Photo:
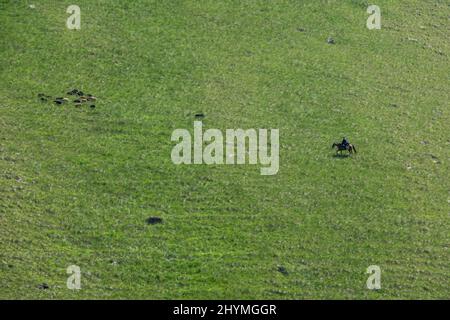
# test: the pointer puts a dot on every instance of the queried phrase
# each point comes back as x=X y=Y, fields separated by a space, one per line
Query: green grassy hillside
x=77 y=184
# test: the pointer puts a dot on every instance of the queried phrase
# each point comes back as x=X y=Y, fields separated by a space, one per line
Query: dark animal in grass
x=154 y=220
x=43 y=97
x=92 y=106
x=73 y=92
x=43 y=286
x=340 y=147
x=283 y=270
x=61 y=100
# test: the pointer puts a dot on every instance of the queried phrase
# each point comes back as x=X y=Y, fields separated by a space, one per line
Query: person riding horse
x=345 y=143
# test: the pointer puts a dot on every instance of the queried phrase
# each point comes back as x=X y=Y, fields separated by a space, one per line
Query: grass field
x=77 y=184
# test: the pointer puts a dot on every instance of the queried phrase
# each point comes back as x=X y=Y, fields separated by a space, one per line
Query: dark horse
x=340 y=147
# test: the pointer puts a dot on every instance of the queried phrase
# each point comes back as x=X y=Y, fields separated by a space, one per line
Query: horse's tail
x=354 y=149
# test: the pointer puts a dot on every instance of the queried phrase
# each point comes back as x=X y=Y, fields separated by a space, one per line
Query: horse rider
x=345 y=143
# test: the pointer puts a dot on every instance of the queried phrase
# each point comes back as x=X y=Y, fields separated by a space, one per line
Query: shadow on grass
x=341 y=156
